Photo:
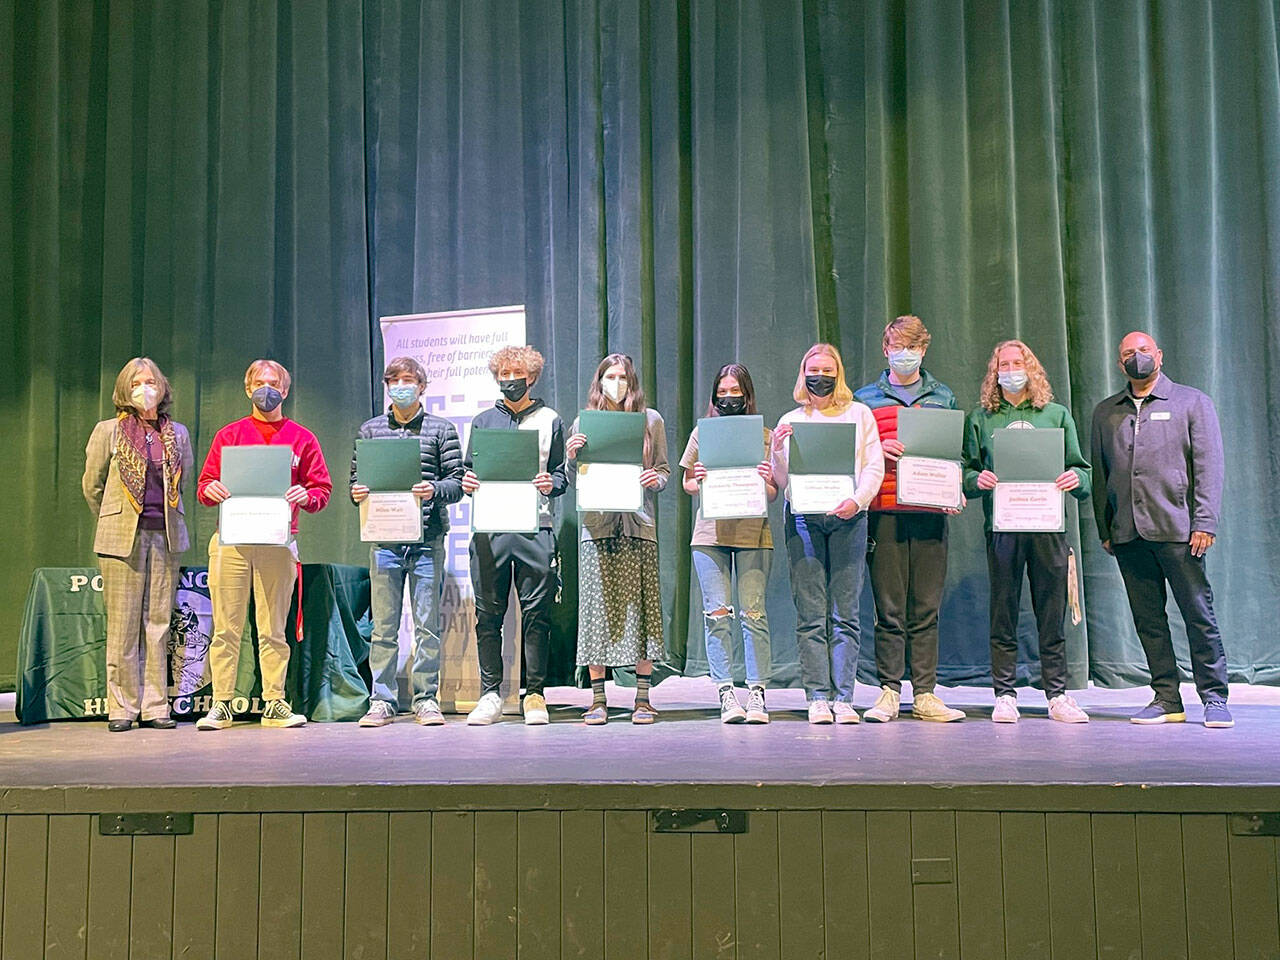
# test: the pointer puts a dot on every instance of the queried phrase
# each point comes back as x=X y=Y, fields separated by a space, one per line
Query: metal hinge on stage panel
x=1255 y=824
x=145 y=824
x=699 y=821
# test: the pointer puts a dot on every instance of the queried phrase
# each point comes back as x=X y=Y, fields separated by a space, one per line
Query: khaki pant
x=138 y=594
x=235 y=572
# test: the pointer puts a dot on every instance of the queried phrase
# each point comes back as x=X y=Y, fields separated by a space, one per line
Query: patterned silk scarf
x=131 y=458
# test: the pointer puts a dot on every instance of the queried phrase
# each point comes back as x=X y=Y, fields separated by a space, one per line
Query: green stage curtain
x=688 y=181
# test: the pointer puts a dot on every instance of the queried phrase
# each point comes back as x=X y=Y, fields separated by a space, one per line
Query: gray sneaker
x=278 y=713
x=756 y=712
x=730 y=709
x=379 y=715
x=219 y=718
x=427 y=713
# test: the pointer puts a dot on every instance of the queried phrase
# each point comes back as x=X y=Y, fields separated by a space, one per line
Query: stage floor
x=686 y=758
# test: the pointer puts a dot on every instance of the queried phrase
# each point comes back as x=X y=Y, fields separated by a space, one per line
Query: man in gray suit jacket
x=1157 y=494
x=136 y=465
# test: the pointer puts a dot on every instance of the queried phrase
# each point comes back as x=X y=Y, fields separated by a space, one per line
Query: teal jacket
x=978 y=430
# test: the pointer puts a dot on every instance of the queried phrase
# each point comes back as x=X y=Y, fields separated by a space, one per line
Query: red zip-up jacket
x=309 y=468
x=885 y=404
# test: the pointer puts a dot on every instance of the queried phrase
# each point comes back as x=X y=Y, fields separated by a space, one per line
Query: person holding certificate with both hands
x=1021 y=453
x=432 y=481
x=827 y=454
x=256 y=464
x=514 y=548
x=908 y=540
x=732 y=536
x=617 y=456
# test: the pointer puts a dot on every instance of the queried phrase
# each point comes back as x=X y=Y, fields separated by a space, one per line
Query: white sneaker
x=1064 y=709
x=535 y=710
x=886 y=707
x=820 y=712
x=486 y=711
x=1006 y=710
x=845 y=713
x=927 y=706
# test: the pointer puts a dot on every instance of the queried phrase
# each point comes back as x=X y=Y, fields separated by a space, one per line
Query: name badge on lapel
x=1162 y=415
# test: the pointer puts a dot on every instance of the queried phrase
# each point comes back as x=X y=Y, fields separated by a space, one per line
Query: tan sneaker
x=1064 y=709
x=927 y=706
x=380 y=713
x=278 y=713
x=885 y=708
x=845 y=713
x=427 y=713
x=1006 y=709
x=535 y=710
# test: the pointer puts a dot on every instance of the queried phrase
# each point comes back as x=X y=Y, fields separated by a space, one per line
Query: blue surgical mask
x=403 y=395
x=1014 y=381
x=905 y=362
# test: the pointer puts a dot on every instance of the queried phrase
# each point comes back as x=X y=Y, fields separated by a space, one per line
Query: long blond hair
x=842 y=397
x=1038 y=389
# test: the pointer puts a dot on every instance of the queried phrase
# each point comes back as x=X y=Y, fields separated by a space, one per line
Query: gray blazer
x=103 y=489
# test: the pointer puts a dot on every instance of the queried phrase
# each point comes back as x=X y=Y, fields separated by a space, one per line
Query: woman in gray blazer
x=136 y=465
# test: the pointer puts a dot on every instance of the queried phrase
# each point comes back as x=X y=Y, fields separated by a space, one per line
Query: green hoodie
x=978 y=429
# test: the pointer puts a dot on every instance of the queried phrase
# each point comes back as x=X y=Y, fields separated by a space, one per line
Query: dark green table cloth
x=62 y=648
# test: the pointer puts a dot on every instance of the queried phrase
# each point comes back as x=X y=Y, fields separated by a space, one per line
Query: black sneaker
x=1216 y=714
x=1157 y=711
x=218 y=718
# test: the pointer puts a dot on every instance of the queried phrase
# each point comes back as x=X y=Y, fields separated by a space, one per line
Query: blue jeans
x=828 y=557
x=715 y=566
x=423 y=565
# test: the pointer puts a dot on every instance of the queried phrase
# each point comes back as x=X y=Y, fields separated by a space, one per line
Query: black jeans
x=529 y=558
x=1146 y=567
x=1044 y=557
x=908 y=568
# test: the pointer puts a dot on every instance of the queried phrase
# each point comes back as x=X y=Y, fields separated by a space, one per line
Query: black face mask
x=731 y=406
x=513 y=390
x=267 y=399
x=1140 y=366
x=819 y=385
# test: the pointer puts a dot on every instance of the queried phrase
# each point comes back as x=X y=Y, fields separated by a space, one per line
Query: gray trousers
x=138 y=593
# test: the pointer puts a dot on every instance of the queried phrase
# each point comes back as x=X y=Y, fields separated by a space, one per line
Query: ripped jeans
x=715 y=567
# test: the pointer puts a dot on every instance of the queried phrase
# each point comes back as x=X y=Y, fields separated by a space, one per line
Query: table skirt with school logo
x=62 y=647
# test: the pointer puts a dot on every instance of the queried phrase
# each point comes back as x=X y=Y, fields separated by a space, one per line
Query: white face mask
x=905 y=362
x=615 y=390
x=1014 y=381
x=144 y=396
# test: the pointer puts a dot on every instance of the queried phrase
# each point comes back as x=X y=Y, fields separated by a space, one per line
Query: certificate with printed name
x=391 y=517
x=505 y=506
x=1027 y=508
x=610 y=487
x=734 y=493
x=929 y=482
x=818 y=492
x=258 y=521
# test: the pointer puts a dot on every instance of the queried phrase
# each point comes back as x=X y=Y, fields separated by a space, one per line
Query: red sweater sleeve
x=212 y=469
x=313 y=473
